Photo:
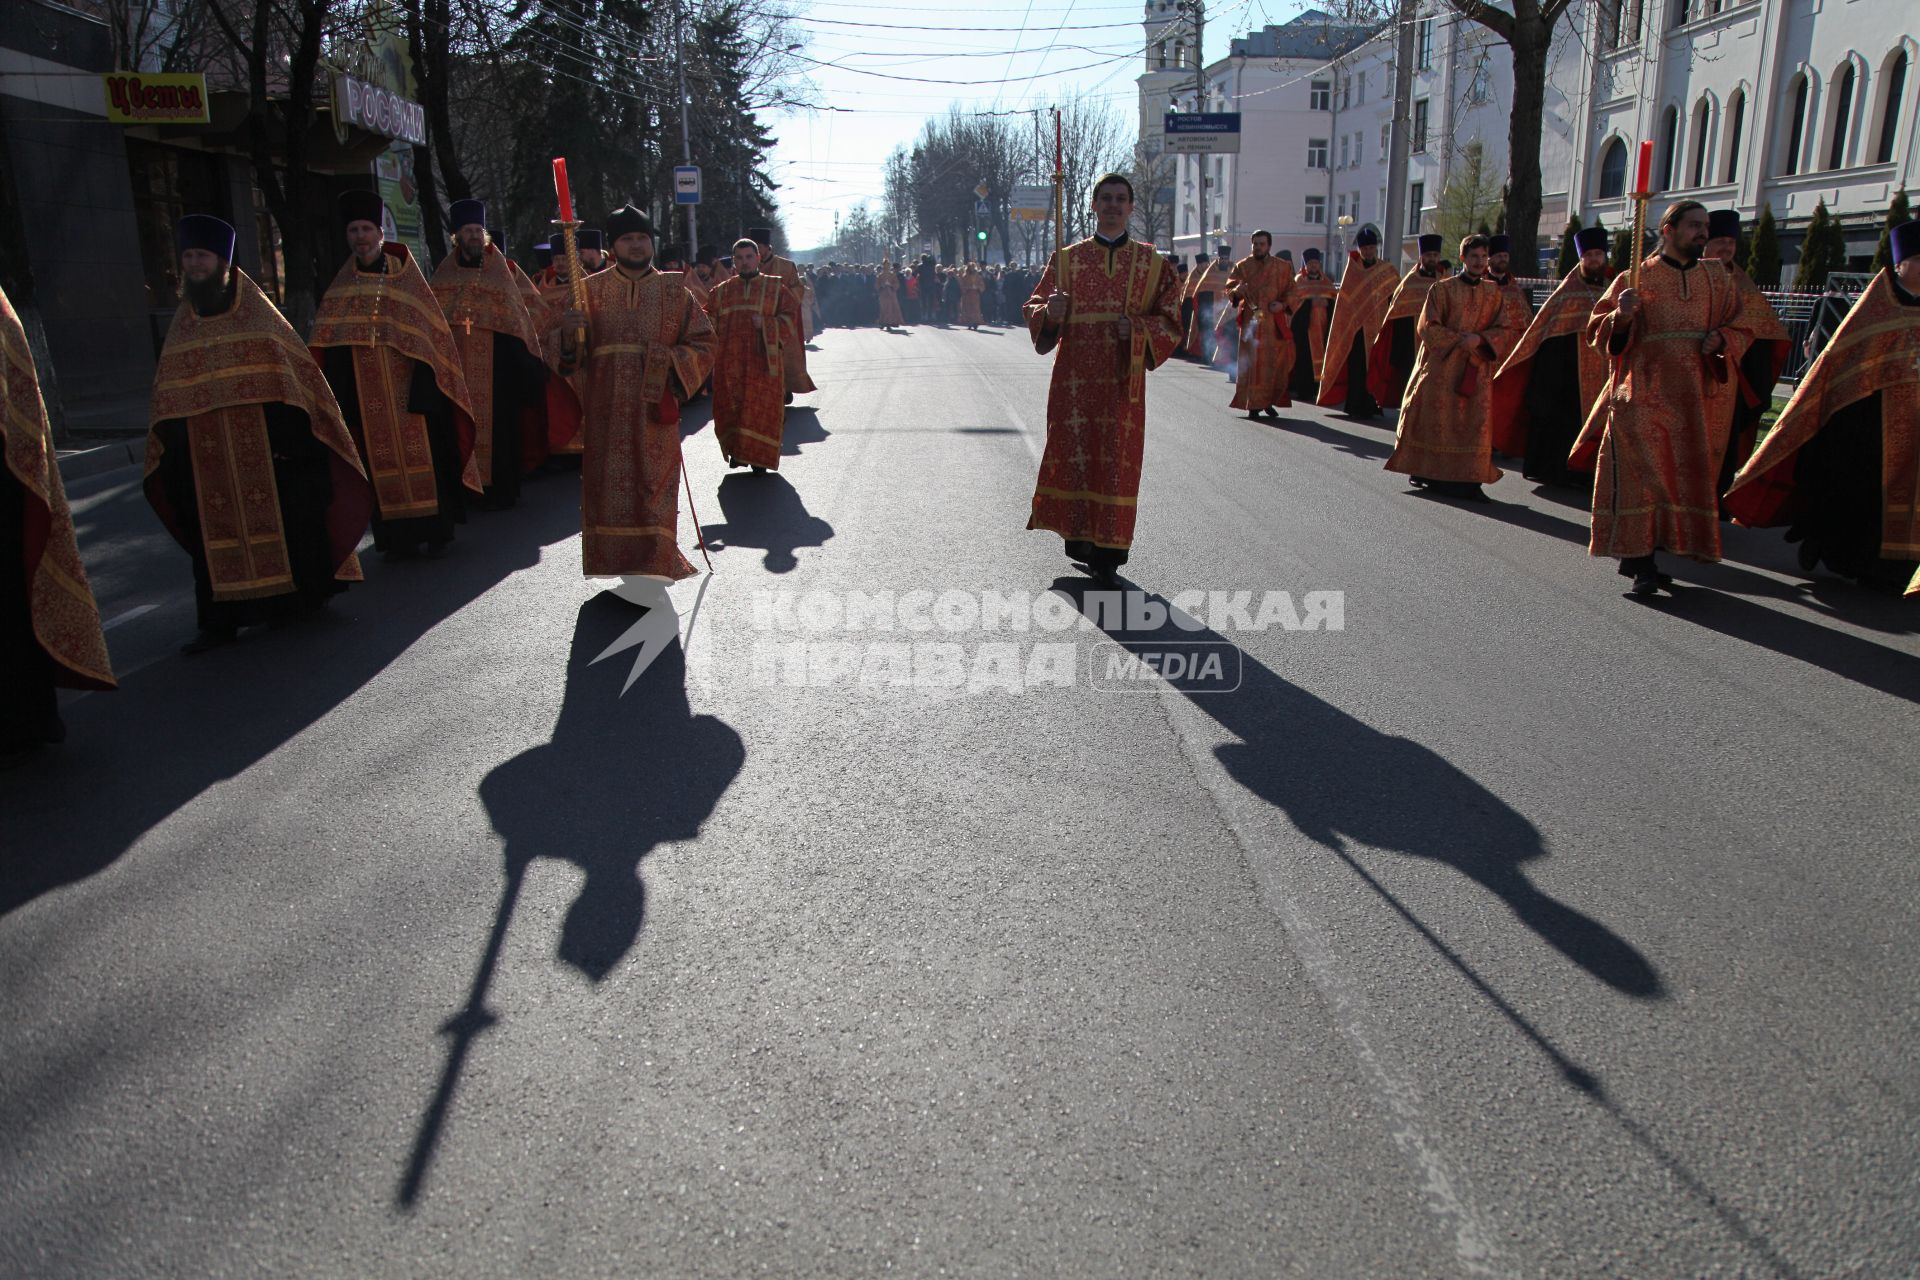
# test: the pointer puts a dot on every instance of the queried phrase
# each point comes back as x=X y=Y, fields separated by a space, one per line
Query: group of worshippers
x=893 y=296
x=413 y=397
x=1648 y=393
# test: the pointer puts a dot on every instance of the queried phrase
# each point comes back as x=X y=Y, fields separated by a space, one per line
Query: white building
x=1749 y=102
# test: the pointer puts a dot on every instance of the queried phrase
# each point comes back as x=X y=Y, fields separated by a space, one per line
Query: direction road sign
x=686 y=184
x=1030 y=203
x=1196 y=132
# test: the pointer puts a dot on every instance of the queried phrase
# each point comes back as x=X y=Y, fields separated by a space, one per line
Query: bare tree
x=279 y=42
x=1151 y=172
x=1528 y=32
x=1470 y=199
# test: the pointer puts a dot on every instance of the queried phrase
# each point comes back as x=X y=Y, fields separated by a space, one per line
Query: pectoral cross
x=468 y=323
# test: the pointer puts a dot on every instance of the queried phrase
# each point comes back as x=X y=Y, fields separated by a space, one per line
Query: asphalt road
x=1514 y=928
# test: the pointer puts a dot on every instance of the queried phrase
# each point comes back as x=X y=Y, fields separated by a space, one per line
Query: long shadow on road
x=138 y=755
x=766 y=511
x=1343 y=783
x=621 y=776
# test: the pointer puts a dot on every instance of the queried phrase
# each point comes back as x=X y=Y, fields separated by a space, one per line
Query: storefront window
x=168 y=183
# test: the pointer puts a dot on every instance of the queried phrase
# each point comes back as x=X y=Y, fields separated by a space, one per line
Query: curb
x=83 y=463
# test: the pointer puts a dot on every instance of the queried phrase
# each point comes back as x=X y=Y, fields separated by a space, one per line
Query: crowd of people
x=1648 y=391
x=889 y=295
x=417 y=397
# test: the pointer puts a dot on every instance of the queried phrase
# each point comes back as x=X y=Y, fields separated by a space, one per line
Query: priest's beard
x=209 y=296
x=1686 y=253
x=639 y=261
x=472 y=259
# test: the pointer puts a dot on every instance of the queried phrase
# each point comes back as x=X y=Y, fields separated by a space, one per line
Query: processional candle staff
x=1640 y=197
x=570 y=242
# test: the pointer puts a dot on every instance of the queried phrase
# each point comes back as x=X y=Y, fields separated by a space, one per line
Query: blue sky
x=827 y=161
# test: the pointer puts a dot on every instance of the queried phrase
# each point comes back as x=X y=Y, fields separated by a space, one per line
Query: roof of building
x=1313 y=35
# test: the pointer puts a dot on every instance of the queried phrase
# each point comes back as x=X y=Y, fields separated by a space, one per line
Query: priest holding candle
x=642 y=346
x=1673 y=330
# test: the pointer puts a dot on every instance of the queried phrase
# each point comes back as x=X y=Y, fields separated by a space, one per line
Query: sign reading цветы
x=162 y=98
x=1203 y=132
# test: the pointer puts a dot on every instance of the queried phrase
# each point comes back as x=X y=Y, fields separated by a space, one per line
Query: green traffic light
x=980 y=235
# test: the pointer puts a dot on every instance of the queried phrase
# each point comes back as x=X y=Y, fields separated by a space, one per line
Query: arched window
x=1702 y=121
x=1179 y=53
x=1842 y=108
x=1163 y=55
x=1669 y=147
x=1893 y=103
x=1796 y=125
x=1613 y=170
x=1736 y=123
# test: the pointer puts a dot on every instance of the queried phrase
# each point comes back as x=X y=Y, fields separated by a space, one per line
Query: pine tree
x=1896 y=214
x=1569 y=252
x=1623 y=255
x=1822 y=251
x=1763 y=251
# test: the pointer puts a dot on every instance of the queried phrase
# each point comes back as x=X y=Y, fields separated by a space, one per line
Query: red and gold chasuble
x=391 y=319
x=886 y=287
x=648 y=347
x=749 y=382
x=66 y=621
x=478 y=303
x=1316 y=293
x=1445 y=432
x=971 y=287
x=793 y=347
x=1089 y=482
x=1266 y=352
x=1209 y=281
x=1358 y=313
x=1387 y=382
x=1564 y=314
x=218 y=373
x=1657 y=435
x=1875 y=349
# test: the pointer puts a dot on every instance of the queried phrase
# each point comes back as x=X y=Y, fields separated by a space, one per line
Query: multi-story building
x=1750 y=103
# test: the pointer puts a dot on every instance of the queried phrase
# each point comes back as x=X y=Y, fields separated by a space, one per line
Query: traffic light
x=980 y=235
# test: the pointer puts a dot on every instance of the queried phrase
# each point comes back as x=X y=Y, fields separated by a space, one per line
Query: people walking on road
x=1662 y=425
x=1205 y=286
x=499 y=344
x=793 y=348
x=1259 y=288
x=648 y=348
x=1312 y=301
x=1358 y=310
x=749 y=385
x=1761 y=367
x=886 y=288
x=1111 y=306
x=390 y=358
x=1468 y=324
x=250 y=465
x=972 y=285
x=1549 y=382
x=1390 y=363
x=50 y=634
x=1841 y=466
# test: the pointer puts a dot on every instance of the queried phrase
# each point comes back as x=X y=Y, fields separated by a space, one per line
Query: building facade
x=1750 y=104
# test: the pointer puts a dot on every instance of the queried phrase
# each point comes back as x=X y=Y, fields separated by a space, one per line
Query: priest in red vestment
x=1111 y=306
